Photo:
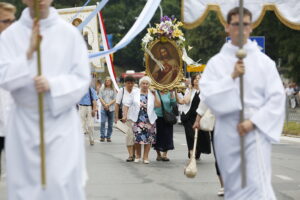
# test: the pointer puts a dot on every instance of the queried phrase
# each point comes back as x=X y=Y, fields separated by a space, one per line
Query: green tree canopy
x=206 y=40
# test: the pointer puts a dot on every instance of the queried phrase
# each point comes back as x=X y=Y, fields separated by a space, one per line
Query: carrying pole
x=40 y=101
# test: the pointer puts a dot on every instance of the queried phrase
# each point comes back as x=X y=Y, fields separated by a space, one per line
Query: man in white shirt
x=289 y=90
x=123 y=94
x=66 y=78
x=264 y=101
x=7 y=17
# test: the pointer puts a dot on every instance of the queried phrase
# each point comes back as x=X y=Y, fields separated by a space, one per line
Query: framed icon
x=169 y=74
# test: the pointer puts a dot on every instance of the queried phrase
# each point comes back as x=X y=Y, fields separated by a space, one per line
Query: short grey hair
x=145 y=78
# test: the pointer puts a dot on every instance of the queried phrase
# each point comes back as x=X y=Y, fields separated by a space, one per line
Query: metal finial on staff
x=40 y=101
x=241 y=54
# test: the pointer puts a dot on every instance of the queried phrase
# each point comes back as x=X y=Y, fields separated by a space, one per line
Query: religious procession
x=155 y=99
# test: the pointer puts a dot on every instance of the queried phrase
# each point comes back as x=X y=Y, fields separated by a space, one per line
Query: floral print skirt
x=144 y=132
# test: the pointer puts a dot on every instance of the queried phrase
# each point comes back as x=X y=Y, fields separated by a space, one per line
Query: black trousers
x=2 y=139
x=216 y=163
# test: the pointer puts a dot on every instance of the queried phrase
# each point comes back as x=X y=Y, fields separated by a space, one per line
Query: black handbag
x=169 y=117
x=120 y=116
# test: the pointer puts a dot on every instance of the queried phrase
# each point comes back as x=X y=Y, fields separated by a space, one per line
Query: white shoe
x=221 y=192
x=146 y=161
x=136 y=160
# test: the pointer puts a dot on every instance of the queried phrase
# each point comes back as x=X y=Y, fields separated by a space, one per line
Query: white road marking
x=285 y=178
x=183 y=144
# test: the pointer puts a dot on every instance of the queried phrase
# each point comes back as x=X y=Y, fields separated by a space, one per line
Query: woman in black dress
x=164 y=131
x=191 y=101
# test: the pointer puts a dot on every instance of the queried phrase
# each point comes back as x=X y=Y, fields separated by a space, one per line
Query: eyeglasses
x=236 y=24
x=7 y=21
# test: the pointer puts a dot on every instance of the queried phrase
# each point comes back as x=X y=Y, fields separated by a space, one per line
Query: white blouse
x=186 y=107
x=133 y=102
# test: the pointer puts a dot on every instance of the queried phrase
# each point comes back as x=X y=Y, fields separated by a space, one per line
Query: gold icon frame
x=172 y=47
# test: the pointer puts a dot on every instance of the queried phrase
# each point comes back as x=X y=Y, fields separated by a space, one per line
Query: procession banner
x=90 y=32
x=139 y=25
x=194 y=12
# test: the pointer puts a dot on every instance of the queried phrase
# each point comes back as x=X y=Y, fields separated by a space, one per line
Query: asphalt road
x=111 y=178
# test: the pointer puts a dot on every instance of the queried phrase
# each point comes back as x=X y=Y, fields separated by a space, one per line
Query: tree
x=119 y=18
x=206 y=40
x=281 y=43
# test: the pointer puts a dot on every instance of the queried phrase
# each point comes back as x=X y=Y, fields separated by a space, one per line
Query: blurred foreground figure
x=65 y=80
x=264 y=112
x=7 y=17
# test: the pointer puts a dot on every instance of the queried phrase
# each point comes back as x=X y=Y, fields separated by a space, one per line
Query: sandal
x=165 y=159
x=221 y=192
x=92 y=142
x=130 y=159
x=159 y=158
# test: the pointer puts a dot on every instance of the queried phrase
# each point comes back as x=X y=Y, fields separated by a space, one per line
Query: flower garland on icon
x=168 y=28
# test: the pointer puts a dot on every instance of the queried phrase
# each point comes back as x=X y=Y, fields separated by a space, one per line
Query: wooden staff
x=191 y=169
x=40 y=100
x=241 y=54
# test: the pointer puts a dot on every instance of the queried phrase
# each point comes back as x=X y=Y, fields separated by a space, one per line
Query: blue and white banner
x=139 y=25
x=80 y=10
x=106 y=47
x=92 y=15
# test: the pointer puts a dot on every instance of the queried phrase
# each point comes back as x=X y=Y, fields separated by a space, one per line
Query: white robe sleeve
x=11 y=77
x=67 y=89
x=270 y=117
x=219 y=92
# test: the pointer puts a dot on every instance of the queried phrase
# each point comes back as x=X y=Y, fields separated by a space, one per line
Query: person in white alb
x=65 y=79
x=7 y=17
x=264 y=101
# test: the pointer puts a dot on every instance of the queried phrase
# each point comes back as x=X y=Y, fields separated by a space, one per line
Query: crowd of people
x=65 y=83
x=144 y=117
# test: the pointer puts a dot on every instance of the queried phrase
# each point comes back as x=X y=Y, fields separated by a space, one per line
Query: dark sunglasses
x=237 y=24
x=7 y=21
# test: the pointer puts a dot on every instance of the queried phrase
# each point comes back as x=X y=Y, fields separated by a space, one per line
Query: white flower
x=147 y=38
x=168 y=23
x=181 y=38
x=165 y=29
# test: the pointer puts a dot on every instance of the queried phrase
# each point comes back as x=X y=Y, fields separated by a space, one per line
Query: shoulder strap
x=91 y=99
x=162 y=103
x=122 y=96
